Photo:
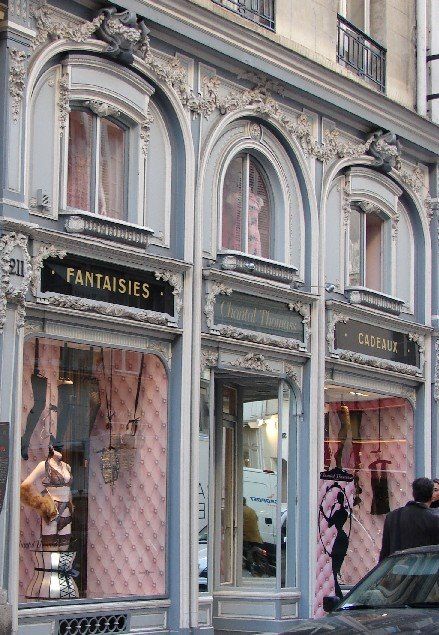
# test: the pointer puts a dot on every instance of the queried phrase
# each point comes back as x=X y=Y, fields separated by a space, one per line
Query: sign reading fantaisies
x=107 y=283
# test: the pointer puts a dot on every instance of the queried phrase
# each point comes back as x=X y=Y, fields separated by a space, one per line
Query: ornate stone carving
x=395 y=222
x=14 y=293
x=17 y=77
x=413 y=179
x=50 y=27
x=209 y=308
x=346 y=202
x=124 y=33
x=145 y=127
x=304 y=311
x=108 y=229
x=101 y=109
x=45 y=251
x=374 y=299
x=245 y=263
x=385 y=148
x=259 y=338
x=110 y=310
x=255 y=131
x=420 y=341
x=176 y=281
x=376 y=362
x=431 y=206
x=209 y=358
x=330 y=328
x=63 y=101
x=292 y=373
x=252 y=361
x=368 y=207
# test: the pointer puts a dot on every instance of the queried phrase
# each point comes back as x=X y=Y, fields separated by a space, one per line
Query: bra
x=53 y=478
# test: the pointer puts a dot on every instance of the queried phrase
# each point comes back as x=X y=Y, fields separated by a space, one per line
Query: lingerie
x=54 y=478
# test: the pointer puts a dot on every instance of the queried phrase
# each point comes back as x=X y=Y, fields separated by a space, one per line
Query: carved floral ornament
x=252 y=361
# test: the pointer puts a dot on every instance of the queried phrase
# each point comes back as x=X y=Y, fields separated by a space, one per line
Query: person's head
x=435 y=490
x=422 y=490
x=340 y=498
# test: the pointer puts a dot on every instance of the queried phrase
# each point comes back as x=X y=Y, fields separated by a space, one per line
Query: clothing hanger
x=378 y=460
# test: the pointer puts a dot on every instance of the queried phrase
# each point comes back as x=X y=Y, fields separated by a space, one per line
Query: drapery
x=111 y=170
x=79 y=160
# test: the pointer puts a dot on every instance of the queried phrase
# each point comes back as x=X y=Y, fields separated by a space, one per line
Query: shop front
x=373 y=405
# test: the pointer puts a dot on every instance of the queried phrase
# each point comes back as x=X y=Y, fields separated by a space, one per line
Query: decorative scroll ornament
x=124 y=33
x=304 y=311
x=252 y=361
x=395 y=224
x=419 y=339
x=346 y=202
x=368 y=207
x=209 y=307
x=414 y=179
x=330 y=332
x=145 y=128
x=386 y=149
x=209 y=358
x=11 y=290
x=45 y=251
x=17 y=77
x=376 y=362
x=101 y=109
x=259 y=338
x=63 y=101
x=176 y=281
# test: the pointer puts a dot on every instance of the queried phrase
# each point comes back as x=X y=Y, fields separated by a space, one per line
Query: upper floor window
x=356 y=49
x=259 y=11
x=367 y=262
x=246 y=218
x=96 y=165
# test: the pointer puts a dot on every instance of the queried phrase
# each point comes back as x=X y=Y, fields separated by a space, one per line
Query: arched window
x=96 y=165
x=246 y=209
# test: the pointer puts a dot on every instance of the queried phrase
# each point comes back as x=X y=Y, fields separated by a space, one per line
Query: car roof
x=425 y=549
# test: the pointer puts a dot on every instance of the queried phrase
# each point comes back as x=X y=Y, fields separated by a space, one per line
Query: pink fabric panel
x=111 y=171
x=127 y=530
x=366 y=535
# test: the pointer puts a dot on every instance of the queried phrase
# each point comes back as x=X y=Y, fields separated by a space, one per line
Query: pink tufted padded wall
x=127 y=521
x=366 y=535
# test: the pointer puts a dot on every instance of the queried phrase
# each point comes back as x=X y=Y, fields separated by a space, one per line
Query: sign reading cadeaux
x=95 y=280
x=257 y=314
x=376 y=341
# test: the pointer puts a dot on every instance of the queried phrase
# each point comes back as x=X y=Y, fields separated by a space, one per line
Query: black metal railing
x=259 y=11
x=360 y=52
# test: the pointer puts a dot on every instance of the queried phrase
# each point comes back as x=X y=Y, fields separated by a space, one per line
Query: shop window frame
x=125 y=343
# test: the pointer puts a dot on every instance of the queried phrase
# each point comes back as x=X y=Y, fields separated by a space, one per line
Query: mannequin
x=52 y=478
x=52 y=578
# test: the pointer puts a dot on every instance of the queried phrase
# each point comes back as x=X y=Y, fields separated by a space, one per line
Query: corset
x=53 y=576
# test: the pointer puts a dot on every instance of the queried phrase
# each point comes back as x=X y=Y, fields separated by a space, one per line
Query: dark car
x=401 y=595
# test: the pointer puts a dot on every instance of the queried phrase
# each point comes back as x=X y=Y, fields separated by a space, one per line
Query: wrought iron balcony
x=259 y=11
x=361 y=53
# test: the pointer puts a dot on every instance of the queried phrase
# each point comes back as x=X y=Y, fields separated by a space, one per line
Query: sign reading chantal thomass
x=376 y=341
x=107 y=283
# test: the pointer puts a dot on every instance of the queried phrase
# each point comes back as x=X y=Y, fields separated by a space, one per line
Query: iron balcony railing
x=361 y=53
x=259 y=11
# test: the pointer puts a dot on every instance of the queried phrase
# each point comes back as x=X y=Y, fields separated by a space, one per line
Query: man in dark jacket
x=414 y=525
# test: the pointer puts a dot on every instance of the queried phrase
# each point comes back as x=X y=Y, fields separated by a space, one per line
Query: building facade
x=219 y=305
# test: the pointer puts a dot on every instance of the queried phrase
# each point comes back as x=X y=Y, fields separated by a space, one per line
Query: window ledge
x=120 y=231
x=259 y=267
x=374 y=299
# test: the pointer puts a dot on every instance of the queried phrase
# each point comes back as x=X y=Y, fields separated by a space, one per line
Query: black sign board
x=105 y=282
x=376 y=341
x=4 y=459
x=257 y=314
x=337 y=474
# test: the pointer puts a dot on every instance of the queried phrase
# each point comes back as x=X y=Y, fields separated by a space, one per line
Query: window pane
x=107 y=483
x=374 y=226
x=79 y=159
x=355 y=277
x=232 y=206
x=111 y=171
x=258 y=213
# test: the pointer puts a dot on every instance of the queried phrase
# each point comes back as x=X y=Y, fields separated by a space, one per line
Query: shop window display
x=370 y=438
x=93 y=477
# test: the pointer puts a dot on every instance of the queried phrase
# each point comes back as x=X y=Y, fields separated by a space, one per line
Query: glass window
x=253 y=451
x=96 y=165
x=366 y=250
x=246 y=222
x=371 y=438
x=94 y=469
